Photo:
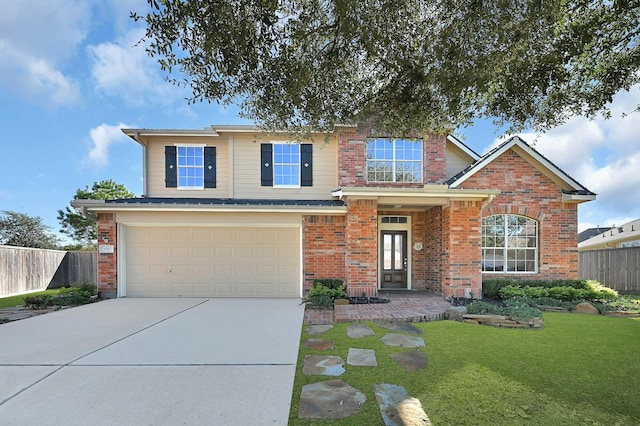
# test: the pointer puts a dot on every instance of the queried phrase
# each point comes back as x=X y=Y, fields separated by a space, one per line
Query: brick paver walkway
x=410 y=306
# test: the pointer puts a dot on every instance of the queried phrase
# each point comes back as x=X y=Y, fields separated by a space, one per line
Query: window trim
x=394 y=161
x=506 y=248
x=178 y=167
x=273 y=164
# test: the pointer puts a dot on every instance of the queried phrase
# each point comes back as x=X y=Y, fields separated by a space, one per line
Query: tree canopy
x=22 y=230
x=80 y=228
x=402 y=65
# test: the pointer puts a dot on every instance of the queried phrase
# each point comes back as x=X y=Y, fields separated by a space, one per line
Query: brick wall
x=528 y=192
x=352 y=161
x=361 y=250
x=461 y=242
x=433 y=250
x=324 y=248
x=107 y=262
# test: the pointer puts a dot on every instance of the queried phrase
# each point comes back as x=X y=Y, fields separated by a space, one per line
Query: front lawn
x=578 y=369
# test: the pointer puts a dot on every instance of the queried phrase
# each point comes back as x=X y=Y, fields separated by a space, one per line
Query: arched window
x=509 y=244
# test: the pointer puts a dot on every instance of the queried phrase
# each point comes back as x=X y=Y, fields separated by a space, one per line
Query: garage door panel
x=213 y=262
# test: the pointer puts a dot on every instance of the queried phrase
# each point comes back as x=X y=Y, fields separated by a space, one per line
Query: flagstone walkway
x=336 y=399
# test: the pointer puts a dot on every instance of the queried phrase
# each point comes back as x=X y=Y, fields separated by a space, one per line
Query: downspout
x=486 y=202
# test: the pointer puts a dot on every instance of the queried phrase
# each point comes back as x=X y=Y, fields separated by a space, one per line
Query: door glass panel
x=397 y=252
x=387 y=252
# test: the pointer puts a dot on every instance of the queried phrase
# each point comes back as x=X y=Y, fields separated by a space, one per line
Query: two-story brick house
x=229 y=211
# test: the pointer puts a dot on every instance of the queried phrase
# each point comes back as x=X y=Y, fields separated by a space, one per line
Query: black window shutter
x=209 y=166
x=170 y=169
x=266 y=168
x=306 y=151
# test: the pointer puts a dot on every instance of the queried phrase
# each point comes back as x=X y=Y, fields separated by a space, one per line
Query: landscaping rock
x=315 y=330
x=393 y=339
x=405 y=327
x=356 y=331
x=455 y=313
x=410 y=361
x=323 y=365
x=362 y=357
x=587 y=308
x=398 y=408
x=333 y=399
x=319 y=344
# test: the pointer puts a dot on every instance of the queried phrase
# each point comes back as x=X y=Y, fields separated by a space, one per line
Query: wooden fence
x=618 y=269
x=24 y=270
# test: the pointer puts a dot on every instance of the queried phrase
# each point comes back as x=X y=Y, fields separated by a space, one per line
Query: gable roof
x=613 y=236
x=463 y=147
x=575 y=192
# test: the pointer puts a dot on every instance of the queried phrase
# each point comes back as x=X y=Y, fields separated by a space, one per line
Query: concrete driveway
x=182 y=361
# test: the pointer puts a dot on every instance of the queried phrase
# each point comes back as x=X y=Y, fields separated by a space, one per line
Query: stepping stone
x=319 y=344
x=362 y=357
x=356 y=331
x=410 y=361
x=333 y=399
x=405 y=327
x=314 y=330
x=398 y=408
x=393 y=339
x=323 y=365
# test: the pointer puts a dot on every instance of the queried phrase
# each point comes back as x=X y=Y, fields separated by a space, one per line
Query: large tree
x=22 y=230
x=402 y=65
x=80 y=228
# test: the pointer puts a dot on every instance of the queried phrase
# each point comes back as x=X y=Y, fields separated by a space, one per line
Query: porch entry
x=393 y=260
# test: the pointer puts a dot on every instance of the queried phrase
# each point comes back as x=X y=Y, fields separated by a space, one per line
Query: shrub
x=509 y=291
x=332 y=283
x=69 y=296
x=491 y=287
x=87 y=286
x=322 y=295
x=519 y=309
x=479 y=307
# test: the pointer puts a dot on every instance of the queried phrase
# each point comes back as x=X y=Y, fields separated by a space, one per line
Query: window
x=286 y=165
x=394 y=160
x=190 y=167
x=509 y=244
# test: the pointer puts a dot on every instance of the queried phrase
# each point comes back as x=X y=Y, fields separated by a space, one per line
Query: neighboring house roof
x=573 y=192
x=588 y=233
x=613 y=237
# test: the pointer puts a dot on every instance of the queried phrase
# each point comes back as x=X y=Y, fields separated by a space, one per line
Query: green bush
x=509 y=291
x=322 y=295
x=87 y=286
x=70 y=296
x=479 y=307
x=566 y=290
x=520 y=309
x=491 y=287
x=332 y=283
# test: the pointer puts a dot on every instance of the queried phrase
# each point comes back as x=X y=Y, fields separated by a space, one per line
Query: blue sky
x=71 y=75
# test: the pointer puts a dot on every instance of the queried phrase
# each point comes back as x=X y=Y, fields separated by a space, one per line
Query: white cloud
x=102 y=138
x=125 y=70
x=36 y=38
x=603 y=155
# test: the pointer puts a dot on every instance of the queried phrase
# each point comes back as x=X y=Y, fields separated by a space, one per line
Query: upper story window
x=509 y=244
x=394 y=160
x=286 y=165
x=190 y=167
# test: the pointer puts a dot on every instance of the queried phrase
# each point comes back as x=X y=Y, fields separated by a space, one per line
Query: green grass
x=578 y=369
x=7 y=302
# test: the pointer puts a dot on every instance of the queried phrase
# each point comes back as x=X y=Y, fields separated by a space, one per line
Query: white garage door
x=212 y=262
